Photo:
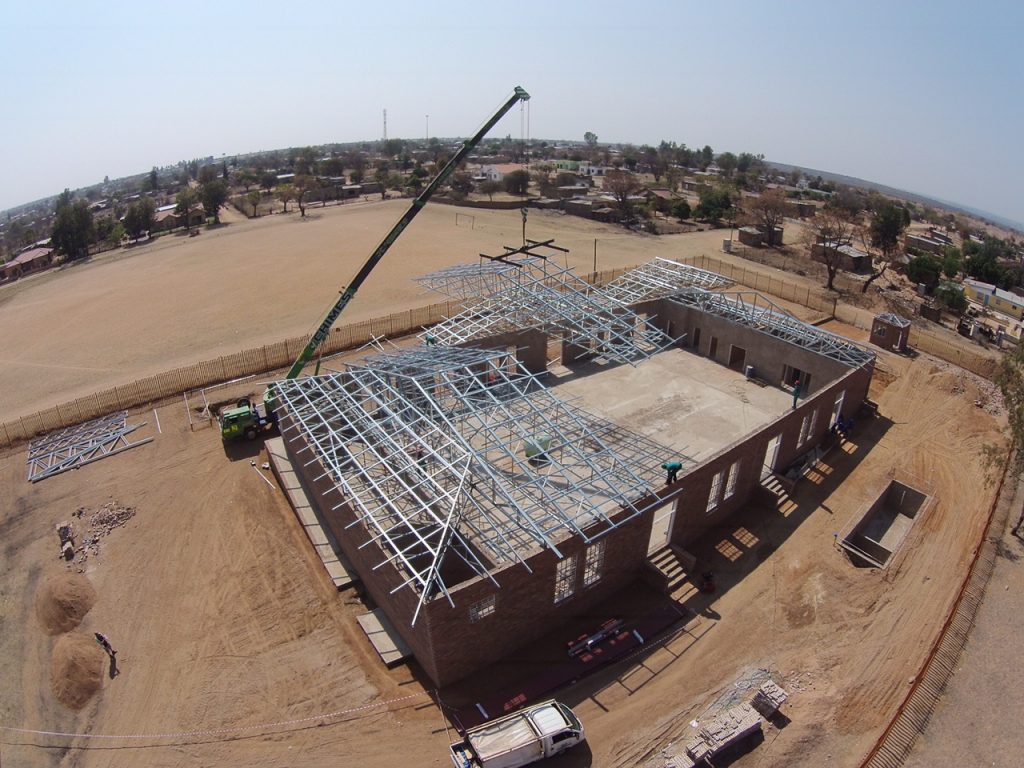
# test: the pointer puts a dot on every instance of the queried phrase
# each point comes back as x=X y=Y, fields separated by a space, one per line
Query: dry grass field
x=178 y=300
x=234 y=648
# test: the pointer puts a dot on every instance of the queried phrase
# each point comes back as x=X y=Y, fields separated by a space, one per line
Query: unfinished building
x=483 y=499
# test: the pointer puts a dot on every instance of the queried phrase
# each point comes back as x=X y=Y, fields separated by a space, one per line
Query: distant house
x=890 y=331
x=751 y=236
x=165 y=218
x=994 y=298
x=754 y=237
x=850 y=259
x=25 y=263
x=497 y=172
x=924 y=243
x=589 y=170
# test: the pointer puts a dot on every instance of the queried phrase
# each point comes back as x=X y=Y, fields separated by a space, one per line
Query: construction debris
x=729 y=726
x=98 y=524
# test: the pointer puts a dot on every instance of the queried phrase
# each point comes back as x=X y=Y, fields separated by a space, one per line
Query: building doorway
x=661 y=529
x=771 y=455
x=737 y=357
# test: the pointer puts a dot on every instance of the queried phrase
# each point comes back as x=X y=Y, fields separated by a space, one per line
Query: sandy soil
x=223 y=618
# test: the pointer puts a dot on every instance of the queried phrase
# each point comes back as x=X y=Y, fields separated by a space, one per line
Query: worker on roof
x=672 y=468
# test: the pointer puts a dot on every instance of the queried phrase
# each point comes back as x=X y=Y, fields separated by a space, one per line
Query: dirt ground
x=234 y=648
x=223 y=619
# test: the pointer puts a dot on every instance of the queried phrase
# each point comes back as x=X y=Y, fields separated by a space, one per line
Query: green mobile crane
x=248 y=419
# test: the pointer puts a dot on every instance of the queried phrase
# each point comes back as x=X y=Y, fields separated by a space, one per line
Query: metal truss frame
x=893 y=319
x=83 y=444
x=660 y=278
x=535 y=292
x=755 y=311
x=459 y=456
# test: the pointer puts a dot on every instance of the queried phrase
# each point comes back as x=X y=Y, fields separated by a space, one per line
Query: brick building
x=481 y=509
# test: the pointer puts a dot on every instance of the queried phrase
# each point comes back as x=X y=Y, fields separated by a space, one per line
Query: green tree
x=303 y=186
x=392 y=147
x=187 y=201
x=253 y=199
x=116 y=235
x=73 y=227
x=623 y=185
x=267 y=181
x=926 y=268
x=707 y=156
x=139 y=217
x=952 y=261
x=715 y=204
x=727 y=161
x=207 y=174
x=246 y=177
x=591 y=139
x=461 y=183
x=154 y=180
x=887 y=226
x=681 y=209
x=285 y=193
x=951 y=295
x=213 y=194
x=832 y=229
x=767 y=211
x=517 y=182
x=489 y=187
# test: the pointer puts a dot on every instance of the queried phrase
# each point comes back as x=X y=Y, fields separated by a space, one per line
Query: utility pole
x=385 y=125
x=428 y=128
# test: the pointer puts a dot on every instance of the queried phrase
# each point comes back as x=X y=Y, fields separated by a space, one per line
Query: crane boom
x=348 y=293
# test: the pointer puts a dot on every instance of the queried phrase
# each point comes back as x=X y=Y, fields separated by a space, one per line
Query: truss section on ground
x=460 y=463
x=661 y=278
x=757 y=312
x=82 y=444
x=538 y=293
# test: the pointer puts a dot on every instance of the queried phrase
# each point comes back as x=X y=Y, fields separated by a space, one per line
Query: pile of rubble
x=990 y=399
x=94 y=525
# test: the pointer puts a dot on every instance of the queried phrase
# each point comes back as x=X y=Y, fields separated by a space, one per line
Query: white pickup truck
x=518 y=739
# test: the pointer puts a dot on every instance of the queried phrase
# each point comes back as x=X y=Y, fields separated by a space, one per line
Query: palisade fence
x=261 y=360
x=257 y=360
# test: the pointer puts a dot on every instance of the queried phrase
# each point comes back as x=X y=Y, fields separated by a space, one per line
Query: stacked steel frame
x=755 y=311
x=526 y=288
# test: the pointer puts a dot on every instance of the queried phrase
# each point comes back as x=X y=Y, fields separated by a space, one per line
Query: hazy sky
x=926 y=96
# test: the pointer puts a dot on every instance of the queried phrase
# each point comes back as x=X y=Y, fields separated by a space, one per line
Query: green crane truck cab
x=245 y=421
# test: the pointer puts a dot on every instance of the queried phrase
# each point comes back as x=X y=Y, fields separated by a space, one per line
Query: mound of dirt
x=62 y=600
x=76 y=669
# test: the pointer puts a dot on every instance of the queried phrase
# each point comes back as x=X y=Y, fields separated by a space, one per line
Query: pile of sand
x=62 y=600
x=76 y=669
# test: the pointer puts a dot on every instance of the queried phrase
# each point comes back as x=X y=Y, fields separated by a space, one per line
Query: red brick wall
x=525 y=602
x=445 y=642
x=691 y=517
